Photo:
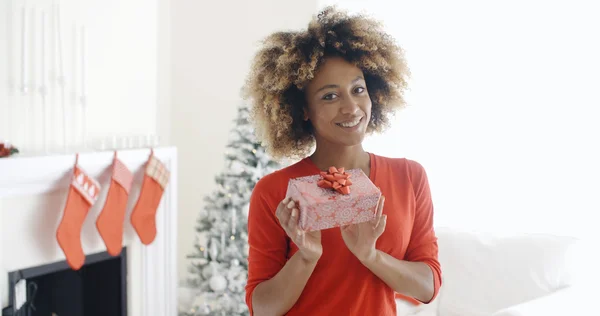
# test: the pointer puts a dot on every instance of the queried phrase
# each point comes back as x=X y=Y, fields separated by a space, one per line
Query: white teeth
x=350 y=124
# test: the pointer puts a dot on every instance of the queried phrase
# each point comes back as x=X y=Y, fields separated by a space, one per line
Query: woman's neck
x=348 y=157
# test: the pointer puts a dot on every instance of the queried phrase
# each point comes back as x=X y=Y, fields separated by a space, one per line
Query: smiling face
x=339 y=106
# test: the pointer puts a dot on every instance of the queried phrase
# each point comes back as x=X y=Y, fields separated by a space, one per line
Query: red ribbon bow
x=335 y=179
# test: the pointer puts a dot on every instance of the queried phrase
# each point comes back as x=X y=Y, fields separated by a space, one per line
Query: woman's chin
x=348 y=141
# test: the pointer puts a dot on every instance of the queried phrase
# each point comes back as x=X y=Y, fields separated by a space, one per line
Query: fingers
x=347 y=228
x=285 y=211
x=302 y=238
x=380 y=209
x=381 y=226
x=377 y=218
x=288 y=215
x=292 y=223
x=281 y=207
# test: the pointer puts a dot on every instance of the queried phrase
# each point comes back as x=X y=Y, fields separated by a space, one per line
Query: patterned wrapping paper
x=322 y=208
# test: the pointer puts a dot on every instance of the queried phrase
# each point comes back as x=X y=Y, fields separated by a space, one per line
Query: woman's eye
x=329 y=96
x=359 y=90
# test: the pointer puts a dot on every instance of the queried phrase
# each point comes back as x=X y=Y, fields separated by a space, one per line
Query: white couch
x=488 y=274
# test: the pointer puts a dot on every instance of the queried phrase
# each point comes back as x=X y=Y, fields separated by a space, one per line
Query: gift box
x=334 y=198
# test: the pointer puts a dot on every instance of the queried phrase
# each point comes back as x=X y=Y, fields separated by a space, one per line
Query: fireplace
x=99 y=288
x=142 y=281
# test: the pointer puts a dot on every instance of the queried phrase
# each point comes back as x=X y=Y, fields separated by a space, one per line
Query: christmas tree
x=219 y=263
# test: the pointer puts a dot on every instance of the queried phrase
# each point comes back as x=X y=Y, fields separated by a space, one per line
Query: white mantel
x=32 y=197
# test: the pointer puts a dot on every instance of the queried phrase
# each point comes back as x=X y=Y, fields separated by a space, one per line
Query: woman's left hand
x=360 y=238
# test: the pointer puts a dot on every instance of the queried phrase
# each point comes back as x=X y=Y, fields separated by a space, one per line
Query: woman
x=324 y=89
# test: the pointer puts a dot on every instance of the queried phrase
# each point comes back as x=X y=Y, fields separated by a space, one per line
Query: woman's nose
x=350 y=106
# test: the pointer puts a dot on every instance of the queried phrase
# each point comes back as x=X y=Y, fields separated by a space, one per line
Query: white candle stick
x=60 y=77
x=83 y=66
x=24 y=50
x=82 y=87
x=43 y=87
x=74 y=58
x=73 y=89
x=32 y=54
x=75 y=121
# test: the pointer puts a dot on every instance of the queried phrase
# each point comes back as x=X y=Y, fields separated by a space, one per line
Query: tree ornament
x=218 y=283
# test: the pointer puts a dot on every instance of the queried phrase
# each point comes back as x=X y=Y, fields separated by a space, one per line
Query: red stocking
x=110 y=221
x=143 y=217
x=83 y=193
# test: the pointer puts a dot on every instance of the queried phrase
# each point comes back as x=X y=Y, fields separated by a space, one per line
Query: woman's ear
x=305 y=114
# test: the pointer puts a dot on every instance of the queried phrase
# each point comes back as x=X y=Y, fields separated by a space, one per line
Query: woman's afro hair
x=287 y=61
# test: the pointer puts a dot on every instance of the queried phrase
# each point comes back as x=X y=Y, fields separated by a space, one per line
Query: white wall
x=504 y=110
x=211 y=46
x=163 y=80
x=123 y=71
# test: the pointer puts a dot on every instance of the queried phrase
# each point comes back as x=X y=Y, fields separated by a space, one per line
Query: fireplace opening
x=98 y=288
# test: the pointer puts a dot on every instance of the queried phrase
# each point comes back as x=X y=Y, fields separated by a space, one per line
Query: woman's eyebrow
x=332 y=86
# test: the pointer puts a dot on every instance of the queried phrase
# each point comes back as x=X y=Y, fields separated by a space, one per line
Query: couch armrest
x=566 y=301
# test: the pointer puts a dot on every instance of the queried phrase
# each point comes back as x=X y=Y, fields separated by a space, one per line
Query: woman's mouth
x=350 y=124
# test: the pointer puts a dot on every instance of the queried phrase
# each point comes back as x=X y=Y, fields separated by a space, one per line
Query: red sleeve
x=267 y=241
x=423 y=245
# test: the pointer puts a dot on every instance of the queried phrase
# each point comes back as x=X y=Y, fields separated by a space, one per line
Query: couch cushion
x=486 y=272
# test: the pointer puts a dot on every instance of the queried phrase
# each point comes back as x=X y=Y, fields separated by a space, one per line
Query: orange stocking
x=110 y=221
x=83 y=193
x=143 y=217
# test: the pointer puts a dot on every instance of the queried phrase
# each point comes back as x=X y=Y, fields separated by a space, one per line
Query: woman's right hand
x=309 y=243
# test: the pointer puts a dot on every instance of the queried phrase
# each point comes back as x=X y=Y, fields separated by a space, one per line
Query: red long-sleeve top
x=340 y=284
